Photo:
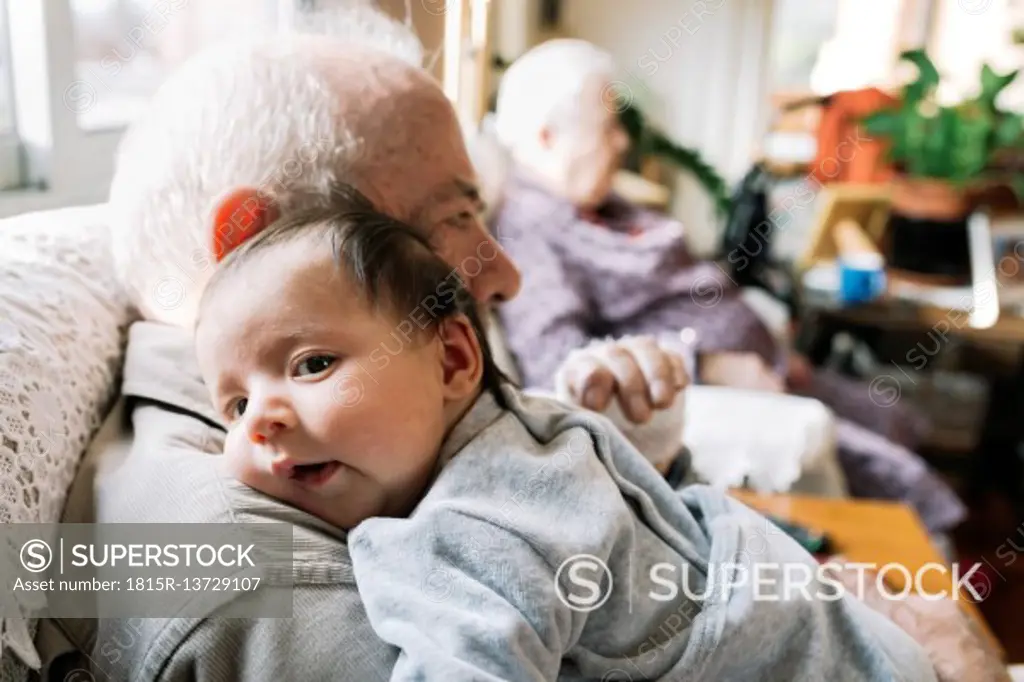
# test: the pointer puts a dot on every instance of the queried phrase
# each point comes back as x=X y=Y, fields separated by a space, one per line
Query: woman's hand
x=643 y=376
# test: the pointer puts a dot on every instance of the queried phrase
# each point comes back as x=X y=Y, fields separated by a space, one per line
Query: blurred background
x=712 y=73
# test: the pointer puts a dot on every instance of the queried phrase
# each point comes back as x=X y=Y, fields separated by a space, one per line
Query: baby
x=493 y=536
x=335 y=406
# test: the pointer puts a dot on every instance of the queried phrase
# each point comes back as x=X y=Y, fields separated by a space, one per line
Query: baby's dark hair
x=393 y=265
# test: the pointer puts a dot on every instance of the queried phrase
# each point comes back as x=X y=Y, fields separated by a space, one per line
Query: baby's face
x=331 y=408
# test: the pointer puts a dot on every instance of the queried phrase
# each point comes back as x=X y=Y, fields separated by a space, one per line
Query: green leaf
x=939 y=144
x=691 y=160
x=912 y=146
x=1009 y=130
x=888 y=125
x=952 y=143
x=884 y=123
x=927 y=76
x=992 y=84
x=969 y=147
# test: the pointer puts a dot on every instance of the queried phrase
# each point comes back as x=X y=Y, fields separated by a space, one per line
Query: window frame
x=467 y=56
x=56 y=161
x=10 y=145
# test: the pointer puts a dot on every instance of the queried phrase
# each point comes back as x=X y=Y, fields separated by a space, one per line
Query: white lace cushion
x=62 y=323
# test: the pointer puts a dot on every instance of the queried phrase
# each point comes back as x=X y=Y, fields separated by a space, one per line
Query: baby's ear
x=237 y=216
x=462 y=358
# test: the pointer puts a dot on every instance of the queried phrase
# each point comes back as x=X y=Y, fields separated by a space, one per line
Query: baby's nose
x=269 y=421
x=264 y=430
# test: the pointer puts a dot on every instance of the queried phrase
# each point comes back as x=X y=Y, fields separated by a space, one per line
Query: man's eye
x=463 y=218
x=314 y=365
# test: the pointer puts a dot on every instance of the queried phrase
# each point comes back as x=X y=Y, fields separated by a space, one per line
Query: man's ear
x=237 y=216
x=461 y=357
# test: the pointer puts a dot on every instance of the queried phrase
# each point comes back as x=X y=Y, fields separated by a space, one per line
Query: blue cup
x=861 y=278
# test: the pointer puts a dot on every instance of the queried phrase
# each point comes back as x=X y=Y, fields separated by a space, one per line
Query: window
x=74 y=73
x=822 y=46
x=467 y=54
x=799 y=30
x=125 y=48
x=10 y=149
x=968 y=34
x=6 y=94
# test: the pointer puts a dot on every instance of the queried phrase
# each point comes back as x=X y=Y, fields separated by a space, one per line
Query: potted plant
x=942 y=154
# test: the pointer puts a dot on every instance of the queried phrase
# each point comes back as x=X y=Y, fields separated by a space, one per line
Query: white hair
x=543 y=87
x=361 y=22
x=255 y=113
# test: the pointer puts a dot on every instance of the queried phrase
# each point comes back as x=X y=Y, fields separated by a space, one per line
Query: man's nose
x=499 y=279
x=268 y=419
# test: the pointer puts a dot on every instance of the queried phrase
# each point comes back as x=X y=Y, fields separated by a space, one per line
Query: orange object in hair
x=239 y=216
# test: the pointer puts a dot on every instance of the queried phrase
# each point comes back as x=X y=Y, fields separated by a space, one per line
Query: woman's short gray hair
x=544 y=87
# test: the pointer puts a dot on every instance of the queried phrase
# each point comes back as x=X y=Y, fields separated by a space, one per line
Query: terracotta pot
x=928 y=199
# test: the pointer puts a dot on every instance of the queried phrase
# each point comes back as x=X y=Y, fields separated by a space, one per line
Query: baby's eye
x=237 y=408
x=314 y=365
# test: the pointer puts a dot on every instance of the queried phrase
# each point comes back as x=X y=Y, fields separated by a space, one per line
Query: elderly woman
x=594 y=265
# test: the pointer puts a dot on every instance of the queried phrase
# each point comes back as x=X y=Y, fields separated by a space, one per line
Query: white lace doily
x=62 y=324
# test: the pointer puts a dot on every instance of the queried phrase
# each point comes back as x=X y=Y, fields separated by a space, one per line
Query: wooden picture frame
x=867 y=205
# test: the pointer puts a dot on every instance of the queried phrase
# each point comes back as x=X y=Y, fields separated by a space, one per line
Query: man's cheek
x=441 y=242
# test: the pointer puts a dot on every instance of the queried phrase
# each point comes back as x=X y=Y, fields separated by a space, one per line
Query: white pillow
x=63 y=320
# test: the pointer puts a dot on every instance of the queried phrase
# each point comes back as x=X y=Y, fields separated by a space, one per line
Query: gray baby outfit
x=548 y=548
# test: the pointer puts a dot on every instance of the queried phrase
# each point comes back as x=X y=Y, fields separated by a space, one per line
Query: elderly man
x=278 y=118
x=593 y=265
x=281 y=118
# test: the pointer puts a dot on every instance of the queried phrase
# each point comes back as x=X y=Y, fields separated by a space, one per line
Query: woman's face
x=590 y=150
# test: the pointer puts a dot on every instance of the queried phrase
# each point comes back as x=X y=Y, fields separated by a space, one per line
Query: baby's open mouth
x=314 y=474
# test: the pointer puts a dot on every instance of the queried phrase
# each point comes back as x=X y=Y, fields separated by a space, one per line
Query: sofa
x=63 y=323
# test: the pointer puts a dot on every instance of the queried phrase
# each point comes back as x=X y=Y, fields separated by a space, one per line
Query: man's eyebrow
x=470 y=191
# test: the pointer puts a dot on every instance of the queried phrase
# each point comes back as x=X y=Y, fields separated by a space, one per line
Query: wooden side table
x=871 y=532
x=996 y=462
